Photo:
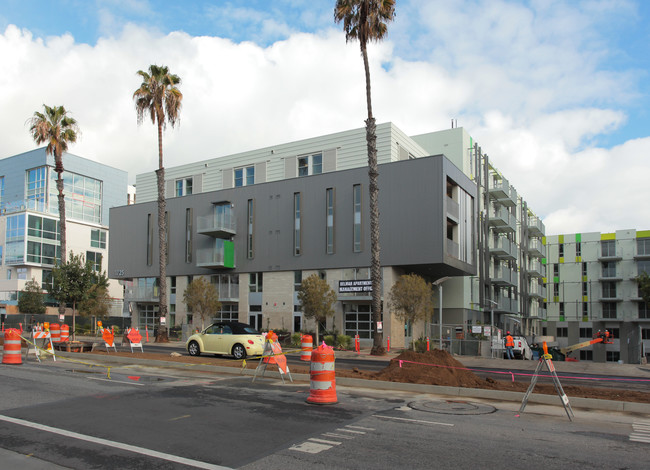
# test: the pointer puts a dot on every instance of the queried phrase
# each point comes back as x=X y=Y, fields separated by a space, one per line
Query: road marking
x=359 y=427
x=323 y=441
x=310 y=447
x=180 y=417
x=116 y=381
x=341 y=436
x=413 y=420
x=351 y=431
x=117 y=445
x=641 y=431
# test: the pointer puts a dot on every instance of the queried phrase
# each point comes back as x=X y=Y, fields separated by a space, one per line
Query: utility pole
x=439 y=284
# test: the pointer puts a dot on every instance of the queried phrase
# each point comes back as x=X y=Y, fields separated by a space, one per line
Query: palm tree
x=367 y=20
x=57 y=129
x=160 y=97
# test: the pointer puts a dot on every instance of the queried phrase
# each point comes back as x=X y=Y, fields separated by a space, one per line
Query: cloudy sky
x=555 y=91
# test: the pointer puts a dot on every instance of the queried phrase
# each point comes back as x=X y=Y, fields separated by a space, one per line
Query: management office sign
x=359 y=285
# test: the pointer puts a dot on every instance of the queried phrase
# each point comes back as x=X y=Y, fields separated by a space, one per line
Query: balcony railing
x=535 y=268
x=504 y=276
x=218 y=227
x=221 y=255
x=537 y=290
x=503 y=248
x=453 y=209
x=536 y=247
x=536 y=227
x=502 y=220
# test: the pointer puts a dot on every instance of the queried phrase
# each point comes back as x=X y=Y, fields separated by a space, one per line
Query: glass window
x=2 y=190
x=297 y=280
x=36 y=188
x=149 y=239
x=329 y=221
x=83 y=197
x=608 y=248
x=228 y=312
x=644 y=310
x=643 y=246
x=585 y=332
x=147 y=316
x=643 y=266
x=188 y=235
x=250 y=252
x=98 y=238
x=609 y=269
x=95 y=259
x=609 y=290
x=561 y=250
x=183 y=187
x=255 y=282
x=609 y=310
x=358 y=320
x=584 y=269
x=244 y=176
x=250 y=175
x=357 y=232
x=562 y=332
x=310 y=164
x=46 y=279
x=297 y=236
x=578 y=249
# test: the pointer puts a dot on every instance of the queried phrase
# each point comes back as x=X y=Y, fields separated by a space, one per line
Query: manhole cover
x=452 y=407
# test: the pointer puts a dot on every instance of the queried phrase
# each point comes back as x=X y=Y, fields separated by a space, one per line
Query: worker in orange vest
x=510 y=344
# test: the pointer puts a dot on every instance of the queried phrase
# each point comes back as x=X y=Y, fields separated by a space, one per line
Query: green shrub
x=420 y=345
x=343 y=341
x=329 y=340
x=296 y=339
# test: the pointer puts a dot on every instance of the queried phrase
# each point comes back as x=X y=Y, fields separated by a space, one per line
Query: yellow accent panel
x=562 y=260
x=585 y=298
x=643 y=234
x=578 y=259
x=560 y=238
x=544 y=280
x=584 y=279
x=608 y=236
x=544 y=240
x=556 y=299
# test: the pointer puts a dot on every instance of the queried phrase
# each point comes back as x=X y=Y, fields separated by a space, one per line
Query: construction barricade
x=322 y=384
x=307 y=346
x=273 y=355
x=135 y=339
x=109 y=339
x=46 y=342
x=11 y=349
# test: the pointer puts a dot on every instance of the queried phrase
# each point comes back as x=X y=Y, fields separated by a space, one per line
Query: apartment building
x=258 y=222
x=29 y=218
x=591 y=287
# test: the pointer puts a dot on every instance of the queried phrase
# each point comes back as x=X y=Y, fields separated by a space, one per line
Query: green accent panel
x=578 y=237
x=543 y=260
x=560 y=238
x=643 y=234
x=562 y=318
x=556 y=279
x=228 y=254
x=608 y=236
x=585 y=318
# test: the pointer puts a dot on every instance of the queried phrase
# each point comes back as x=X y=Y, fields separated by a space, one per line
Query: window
x=255 y=282
x=609 y=310
x=296 y=225
x=36 y=188
x=586 y=332
x=643 y=266
x=329 y=221
x=228 y=312
x=172 y=285
x=644 y=310
x=1 y=247
x=148 y=316
x=22 y=273
x=561 y=250
x=358 y=320
x=183 y=187
x=356 y=204
x=244 y=176
x=609 y=290
x=83 y=197
x=585 y=309
x=645 y=333
x=149 y=239
x=227 y=285
x=609 y=269
x=578 y=249
x=167 y=236
x=584 y=269
x=556 y=289
x=643 y=246
x=556 y=270
x=95 y=259
x=310 y=164
x=608 y=248
x=561 y=309
x=562 y=332
x=297 y=280
x=188 y=235
x=98 y=238
x=586 y=355
x=46 y=279
x=613 y=356
x=2 y=190
x=250 y=246
x=585 y=288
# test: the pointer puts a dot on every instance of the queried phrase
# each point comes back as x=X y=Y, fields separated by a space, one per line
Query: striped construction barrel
x=307 y=346
x=55 y=331
x=11 y=348
x=65 y=333
x=322 y=384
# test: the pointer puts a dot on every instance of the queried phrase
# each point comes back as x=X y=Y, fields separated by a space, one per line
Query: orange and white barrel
x=65 y=333
x=11 y=348
x=55 y=331
x=322 y=385
x=307 y=345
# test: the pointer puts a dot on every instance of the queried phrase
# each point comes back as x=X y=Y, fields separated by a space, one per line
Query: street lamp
x=492 y=304
x=439 y=284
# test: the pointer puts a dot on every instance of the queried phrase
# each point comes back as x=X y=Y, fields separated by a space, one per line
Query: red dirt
x=434 y=367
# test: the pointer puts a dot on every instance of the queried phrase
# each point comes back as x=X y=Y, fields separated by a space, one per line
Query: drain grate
x=452 y=407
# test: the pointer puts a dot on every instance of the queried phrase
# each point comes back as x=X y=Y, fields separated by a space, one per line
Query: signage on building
x=163 y=320
x=359 y=285
x=477 y=329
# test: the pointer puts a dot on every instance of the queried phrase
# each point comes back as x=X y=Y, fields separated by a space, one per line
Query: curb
x=541 y=399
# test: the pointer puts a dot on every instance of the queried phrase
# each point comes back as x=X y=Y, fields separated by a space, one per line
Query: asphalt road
x=74 y=416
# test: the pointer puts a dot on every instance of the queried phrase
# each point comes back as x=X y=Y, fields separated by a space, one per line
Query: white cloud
x=525 y=85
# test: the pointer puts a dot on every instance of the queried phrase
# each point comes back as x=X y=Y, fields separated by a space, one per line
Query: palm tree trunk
x=162 y=337
x=373 y=176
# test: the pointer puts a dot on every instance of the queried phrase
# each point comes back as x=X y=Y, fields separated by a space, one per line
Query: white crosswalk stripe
x=641 y=431
x=315 y=445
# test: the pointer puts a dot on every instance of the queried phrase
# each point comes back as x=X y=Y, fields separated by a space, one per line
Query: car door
x=211 y=339
x=225 y=340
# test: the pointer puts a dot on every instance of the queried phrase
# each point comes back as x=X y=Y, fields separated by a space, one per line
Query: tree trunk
x=62 y=224
x=161 y=336
x=74 y=323
x=373 y=176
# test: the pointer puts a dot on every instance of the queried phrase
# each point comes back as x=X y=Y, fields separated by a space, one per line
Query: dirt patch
x=434 y=368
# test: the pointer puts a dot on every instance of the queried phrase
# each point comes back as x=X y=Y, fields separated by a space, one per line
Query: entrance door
x=297 y=323
x=255 y=320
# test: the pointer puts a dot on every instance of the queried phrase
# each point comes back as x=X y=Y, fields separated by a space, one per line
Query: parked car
x=229 y=338
x=522 y=349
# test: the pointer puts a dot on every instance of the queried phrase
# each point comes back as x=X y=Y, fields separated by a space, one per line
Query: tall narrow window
x=356 y=201
x=561 y=250
x=329 y=221
x=296 y=225
x=149 y=240
x=250 y=252
x=188 y=235
x=578 y=249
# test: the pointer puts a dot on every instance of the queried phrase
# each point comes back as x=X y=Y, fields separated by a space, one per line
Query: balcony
x=536 y=248
x=537 y=290
x=217 y=227
x=504 y=277
x=535 y=227
x=500 y=190
x=453 y=249
x=221 y=255
x=501 y=220
x=535 y=268
x=507 y=305
x=503 y=248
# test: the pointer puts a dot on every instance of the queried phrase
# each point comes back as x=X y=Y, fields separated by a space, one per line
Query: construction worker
x=510 y=344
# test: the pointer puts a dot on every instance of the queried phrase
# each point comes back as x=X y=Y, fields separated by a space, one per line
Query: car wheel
x=193 y=349
x=238 y=351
